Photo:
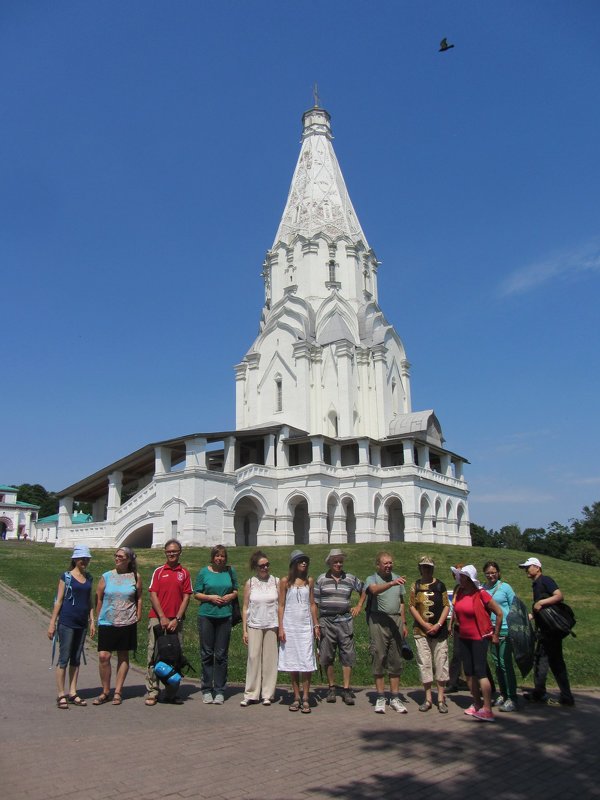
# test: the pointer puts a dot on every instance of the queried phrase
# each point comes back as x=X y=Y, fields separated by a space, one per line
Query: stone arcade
x=327 y=448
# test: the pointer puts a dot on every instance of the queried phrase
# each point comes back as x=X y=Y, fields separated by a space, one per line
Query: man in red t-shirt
x=170 y=591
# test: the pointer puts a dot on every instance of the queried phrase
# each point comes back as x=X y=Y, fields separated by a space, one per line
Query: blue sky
x=146 y=154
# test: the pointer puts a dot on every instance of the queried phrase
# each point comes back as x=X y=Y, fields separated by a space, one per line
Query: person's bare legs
x=122 y=670
x=346 y=676
x=486 y=690
x=104 y=670
x=73 y=675
x=428 y=697
x=441 y=687
x=295 y=678
x=395 y=684
x=306 y=676
x=60 y=680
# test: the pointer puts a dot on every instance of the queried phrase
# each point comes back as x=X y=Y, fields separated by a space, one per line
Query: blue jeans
x=214 y=633
x=70 y=643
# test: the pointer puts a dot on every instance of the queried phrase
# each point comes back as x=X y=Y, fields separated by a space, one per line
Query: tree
x=38 y=496
x=510 y=537
x=583 y=553
x=588 y=528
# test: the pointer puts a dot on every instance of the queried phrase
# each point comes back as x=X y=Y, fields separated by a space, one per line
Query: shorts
x=385 y=643
x=432 y=658
x=337 y=634
x=70 y=645
x=473 y=654
x=116 y=639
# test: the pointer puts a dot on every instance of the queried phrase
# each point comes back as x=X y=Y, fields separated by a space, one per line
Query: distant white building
x=327 y=448
x=17 y=519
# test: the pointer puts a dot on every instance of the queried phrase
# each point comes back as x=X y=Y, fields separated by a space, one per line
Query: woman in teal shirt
x=216 y=587
x=502 y=656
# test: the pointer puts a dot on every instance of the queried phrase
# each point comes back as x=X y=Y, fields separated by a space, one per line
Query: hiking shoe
x=398 y=705
x=532 y=697
x=219 y=699
x=499 y=701
x=207 y=698
x=551 y=701
x=471 y=710
x=484 y=716
x=508 y=705
x=380 y=705
x=348 y=697
x=330 y=698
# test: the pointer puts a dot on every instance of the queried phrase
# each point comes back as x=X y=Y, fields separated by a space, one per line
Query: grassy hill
x=33 y=569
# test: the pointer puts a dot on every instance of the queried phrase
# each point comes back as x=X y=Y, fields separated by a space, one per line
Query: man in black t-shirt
x=548 y=650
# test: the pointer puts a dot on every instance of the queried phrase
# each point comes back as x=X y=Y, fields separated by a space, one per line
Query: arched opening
x=460 y=520
x=246 y=521
x=437 y=515
x=395 y=520
x=350 y=521
x=332 y=505
x=425 y=515
x=301 y=522
x=140 y=538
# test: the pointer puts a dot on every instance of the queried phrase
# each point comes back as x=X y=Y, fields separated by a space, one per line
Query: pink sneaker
x=471 y=710
x=484 y=716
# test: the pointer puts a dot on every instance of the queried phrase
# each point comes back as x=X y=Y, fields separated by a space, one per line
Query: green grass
x=33 y=570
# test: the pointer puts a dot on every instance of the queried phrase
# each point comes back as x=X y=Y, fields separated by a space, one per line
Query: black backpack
x=168 y=650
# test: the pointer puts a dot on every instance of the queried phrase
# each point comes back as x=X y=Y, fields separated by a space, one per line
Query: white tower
x=326 y=361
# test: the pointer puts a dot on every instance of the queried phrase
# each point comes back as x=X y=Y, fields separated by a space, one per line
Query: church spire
x=318 y=200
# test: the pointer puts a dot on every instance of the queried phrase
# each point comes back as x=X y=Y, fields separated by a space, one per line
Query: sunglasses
x=264 y=566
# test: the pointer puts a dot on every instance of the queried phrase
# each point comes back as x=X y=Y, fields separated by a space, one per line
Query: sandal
x=151 y=701
x=101 y=699
x=295 y=706
x=426 y=706
x=75 y=700
x=305 y=707
x=117 y=699
x=61 y=702
x=442 y=707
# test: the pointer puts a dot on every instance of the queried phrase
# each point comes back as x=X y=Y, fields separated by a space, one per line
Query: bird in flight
x=445 y=46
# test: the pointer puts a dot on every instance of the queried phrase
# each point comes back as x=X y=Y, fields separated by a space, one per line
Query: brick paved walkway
x=230 y=752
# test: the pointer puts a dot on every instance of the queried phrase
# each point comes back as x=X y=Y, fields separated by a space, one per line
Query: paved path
x=230 y=752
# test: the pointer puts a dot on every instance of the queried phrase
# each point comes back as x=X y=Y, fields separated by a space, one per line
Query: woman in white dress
x=298 y=624
x=260 y=620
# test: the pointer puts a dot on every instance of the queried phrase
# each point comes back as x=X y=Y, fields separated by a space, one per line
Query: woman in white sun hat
x=472 y=607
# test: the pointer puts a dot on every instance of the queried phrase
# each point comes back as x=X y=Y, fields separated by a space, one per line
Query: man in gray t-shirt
x=387 y=629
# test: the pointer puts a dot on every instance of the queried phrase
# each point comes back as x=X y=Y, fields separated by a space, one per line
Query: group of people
x=290 y=623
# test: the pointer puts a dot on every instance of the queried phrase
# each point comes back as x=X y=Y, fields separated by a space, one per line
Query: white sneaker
x=380 y=705
x=219 y=700
x=207 y=698
x=499 y=701
x=508 y=705
x=398 y=705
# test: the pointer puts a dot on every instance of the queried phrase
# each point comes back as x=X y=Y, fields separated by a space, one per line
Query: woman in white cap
x=472 y=609
x=71 y=615
x=298 y=625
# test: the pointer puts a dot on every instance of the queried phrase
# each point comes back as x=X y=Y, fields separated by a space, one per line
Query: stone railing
x=138 y=499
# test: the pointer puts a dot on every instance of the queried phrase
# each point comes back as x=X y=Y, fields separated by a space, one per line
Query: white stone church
x=327 y=448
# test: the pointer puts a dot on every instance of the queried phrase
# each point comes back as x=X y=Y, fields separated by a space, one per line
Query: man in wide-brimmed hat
x=333 y=591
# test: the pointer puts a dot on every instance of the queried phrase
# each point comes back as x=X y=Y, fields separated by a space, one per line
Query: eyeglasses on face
x=264 y=565
x=120 y=557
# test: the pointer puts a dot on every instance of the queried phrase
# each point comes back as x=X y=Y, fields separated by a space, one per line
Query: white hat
x=335 y=553
x=468 y=570
x=531 y=562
